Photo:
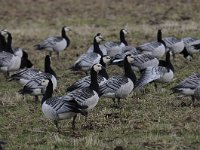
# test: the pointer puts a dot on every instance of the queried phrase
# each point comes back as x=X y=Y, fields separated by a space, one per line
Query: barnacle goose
x=114 y=48
x=55 y=44
x=7 y=46
x=78 y=101
x=120 y=86
x=32 y=86
x=141 y=61
x=162 y=73
x=85 y=61
x=192 y=45
x=188 y=86
x=85 y=82
x=23 y=76
x=174 y=45
x=155 y=48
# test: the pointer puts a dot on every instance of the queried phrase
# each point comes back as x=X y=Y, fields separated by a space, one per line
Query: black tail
x=38 y=47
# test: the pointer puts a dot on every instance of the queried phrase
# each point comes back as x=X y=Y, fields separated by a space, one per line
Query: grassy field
x=151 y=121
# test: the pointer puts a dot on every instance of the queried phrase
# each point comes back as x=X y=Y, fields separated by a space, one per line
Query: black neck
x=47 y=68
x=94 y=84
x=122 y=38
x=128 y=71
x=64 y=35
x=2 y=42
x=185 y=53
x=168 y=61
x=159 y=38
x=103 y=72
x=9 y=43
x=96 y=47
x=25 y=63
x=48 y=93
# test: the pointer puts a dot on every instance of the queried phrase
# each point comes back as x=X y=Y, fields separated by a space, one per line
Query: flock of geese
x=83 y=95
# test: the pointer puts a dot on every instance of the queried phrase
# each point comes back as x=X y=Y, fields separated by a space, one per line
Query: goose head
x=124 y=31
x=98 y=38
x=44 y=82
x=97 y=67
x=66 y=29
x=106 y=59
x=129 y=58
x=4 y=32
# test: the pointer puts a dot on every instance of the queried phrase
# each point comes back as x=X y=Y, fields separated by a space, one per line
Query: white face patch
x=97 y=67
x=67 y=29
x=44 y=82
x=4 y=32
x=124 y=31
x=189 y=58
x=106 y=59
x=130 y=58
x=99 y=38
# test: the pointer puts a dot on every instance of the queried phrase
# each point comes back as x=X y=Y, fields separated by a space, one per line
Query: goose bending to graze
x=55 y=44
x=25 y=75
x=156 y=48
x=77 y=101
x=192 y=45
x=85 y=82
x=120 y=86
x=174 y=45
x=188 y=86
x=87 y=60
x=163 y=73
x=33 y=80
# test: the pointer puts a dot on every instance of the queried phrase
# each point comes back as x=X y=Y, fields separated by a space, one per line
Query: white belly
x=167 y=77
x=15 y=63
x=187 y=91
x=49 y=112
x=92 y=102
x=125 y=89
x=177 y=47
x=159 y=51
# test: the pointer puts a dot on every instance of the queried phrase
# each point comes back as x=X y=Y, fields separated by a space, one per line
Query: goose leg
x=156 y=86
x=56 y=124
x=58 y=55
x=86 y=116
x=118 y=102
x=36 y=101
x=73 y=123
x=50 y=53
x=193 y=100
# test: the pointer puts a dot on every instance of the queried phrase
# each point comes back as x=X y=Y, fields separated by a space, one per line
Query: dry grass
x=150 y=121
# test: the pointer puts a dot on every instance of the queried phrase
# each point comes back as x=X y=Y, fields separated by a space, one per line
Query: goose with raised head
x=85 y=82
x=55 y=44
x=78 y=101
x=163 y=73
x=87 y=60
x=155 y=48
x=7 y=46
x=120 y=86
x=114 y=48
x=188 y=86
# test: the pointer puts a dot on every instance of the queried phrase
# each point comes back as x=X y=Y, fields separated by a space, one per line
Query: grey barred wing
x=113 y=84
